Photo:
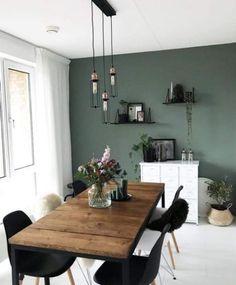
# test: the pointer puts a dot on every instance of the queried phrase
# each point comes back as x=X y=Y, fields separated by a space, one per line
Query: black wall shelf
x=134 y=123
x=180 y=103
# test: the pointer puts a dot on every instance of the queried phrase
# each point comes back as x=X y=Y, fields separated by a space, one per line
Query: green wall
x=145 y=77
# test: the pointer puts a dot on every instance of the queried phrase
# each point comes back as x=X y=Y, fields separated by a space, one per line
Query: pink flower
x=106 y=155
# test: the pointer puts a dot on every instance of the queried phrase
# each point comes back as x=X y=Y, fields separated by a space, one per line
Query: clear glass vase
x=98 y=197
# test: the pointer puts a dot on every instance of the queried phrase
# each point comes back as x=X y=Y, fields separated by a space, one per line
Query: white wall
x=16 y=49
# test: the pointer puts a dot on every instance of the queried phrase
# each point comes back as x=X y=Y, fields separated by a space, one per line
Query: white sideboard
x=175 y=173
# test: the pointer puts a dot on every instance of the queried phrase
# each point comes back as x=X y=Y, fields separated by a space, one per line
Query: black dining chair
x=176 y=215
x=158 y=212
x=142 y=270
x=31 y=263
x=77 y=187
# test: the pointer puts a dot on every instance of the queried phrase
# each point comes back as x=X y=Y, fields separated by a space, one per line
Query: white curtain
x=53 y=145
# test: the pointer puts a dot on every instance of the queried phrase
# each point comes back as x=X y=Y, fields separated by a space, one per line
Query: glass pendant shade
x=112 y=73
x=105 y=108
x=113 y=82
x=94 y=90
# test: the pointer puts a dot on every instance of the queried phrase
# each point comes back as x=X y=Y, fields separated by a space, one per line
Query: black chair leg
x=21 y=276
x=46 y=281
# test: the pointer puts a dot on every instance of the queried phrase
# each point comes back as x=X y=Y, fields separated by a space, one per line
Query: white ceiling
x=140 y=25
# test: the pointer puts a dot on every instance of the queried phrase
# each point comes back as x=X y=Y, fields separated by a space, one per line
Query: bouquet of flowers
x=99 y=171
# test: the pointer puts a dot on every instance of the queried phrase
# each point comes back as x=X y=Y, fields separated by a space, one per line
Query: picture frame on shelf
x=166 y=145
x=140 y=116
x=133 y=109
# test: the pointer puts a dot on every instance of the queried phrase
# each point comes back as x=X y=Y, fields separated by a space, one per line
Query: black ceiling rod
x=105 y=7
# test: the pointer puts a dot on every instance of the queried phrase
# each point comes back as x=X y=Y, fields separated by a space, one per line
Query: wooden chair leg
x=171 y=254
x=139 y=252
x=175 y=242
x=69 y=273
x=37 y=280
x=21 y=278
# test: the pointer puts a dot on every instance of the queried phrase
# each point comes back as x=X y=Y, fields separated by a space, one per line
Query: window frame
x=7 y=128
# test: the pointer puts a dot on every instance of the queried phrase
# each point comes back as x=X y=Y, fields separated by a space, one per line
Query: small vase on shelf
x=98 y=197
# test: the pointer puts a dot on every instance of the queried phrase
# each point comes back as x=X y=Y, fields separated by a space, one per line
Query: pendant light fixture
x=94 y=81
x=95 y=99
x=105 y=96
x=112 y=73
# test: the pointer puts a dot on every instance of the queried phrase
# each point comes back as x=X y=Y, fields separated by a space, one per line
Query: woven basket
x=220 y=217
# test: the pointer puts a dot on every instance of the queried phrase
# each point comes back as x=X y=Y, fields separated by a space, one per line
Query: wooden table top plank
x=89 y=224
x=73 y=242
x=76 y=227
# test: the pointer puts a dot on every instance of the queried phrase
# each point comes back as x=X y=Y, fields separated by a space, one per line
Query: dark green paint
x=145 y=77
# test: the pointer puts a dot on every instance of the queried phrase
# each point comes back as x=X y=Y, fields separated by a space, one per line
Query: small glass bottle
x=183 y=154
x=190 y=155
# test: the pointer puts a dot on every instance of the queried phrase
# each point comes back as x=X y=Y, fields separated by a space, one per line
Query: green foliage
x=220 y=191
x=145 y=143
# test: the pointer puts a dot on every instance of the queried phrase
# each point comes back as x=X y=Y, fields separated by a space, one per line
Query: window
x=18 y=83
x=2 y=153
x=18 y=87
x=17 y=166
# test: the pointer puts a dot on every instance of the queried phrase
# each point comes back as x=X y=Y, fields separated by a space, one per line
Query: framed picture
x=133 y=109
x=166 y=145
x=141 y=116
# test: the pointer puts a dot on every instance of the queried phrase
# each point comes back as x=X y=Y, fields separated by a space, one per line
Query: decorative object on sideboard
x=145 y=147
x=220 y=191
x=164 y=149
x=183 y=155
x=187 y=154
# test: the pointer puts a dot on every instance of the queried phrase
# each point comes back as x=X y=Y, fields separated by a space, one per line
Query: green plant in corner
x=220 y=191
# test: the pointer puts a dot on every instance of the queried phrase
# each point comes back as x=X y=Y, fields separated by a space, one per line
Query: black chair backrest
x=177 y=193
x=175 y=215
x=78 y=187
x=153 y=263
x=13 y=223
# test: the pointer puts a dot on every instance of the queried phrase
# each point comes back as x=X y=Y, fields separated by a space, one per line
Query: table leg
x=15 y=274
x=125 y=272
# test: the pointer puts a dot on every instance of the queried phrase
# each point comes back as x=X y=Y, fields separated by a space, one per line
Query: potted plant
x=123 y=118
x=220 y=191
x=146 y=147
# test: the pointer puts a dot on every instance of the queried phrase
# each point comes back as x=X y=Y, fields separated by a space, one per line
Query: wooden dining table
x=75 y=229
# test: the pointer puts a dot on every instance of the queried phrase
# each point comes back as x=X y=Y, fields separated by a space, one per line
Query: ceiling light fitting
x=95 y=99
x=52 y=29
x=94 y=81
